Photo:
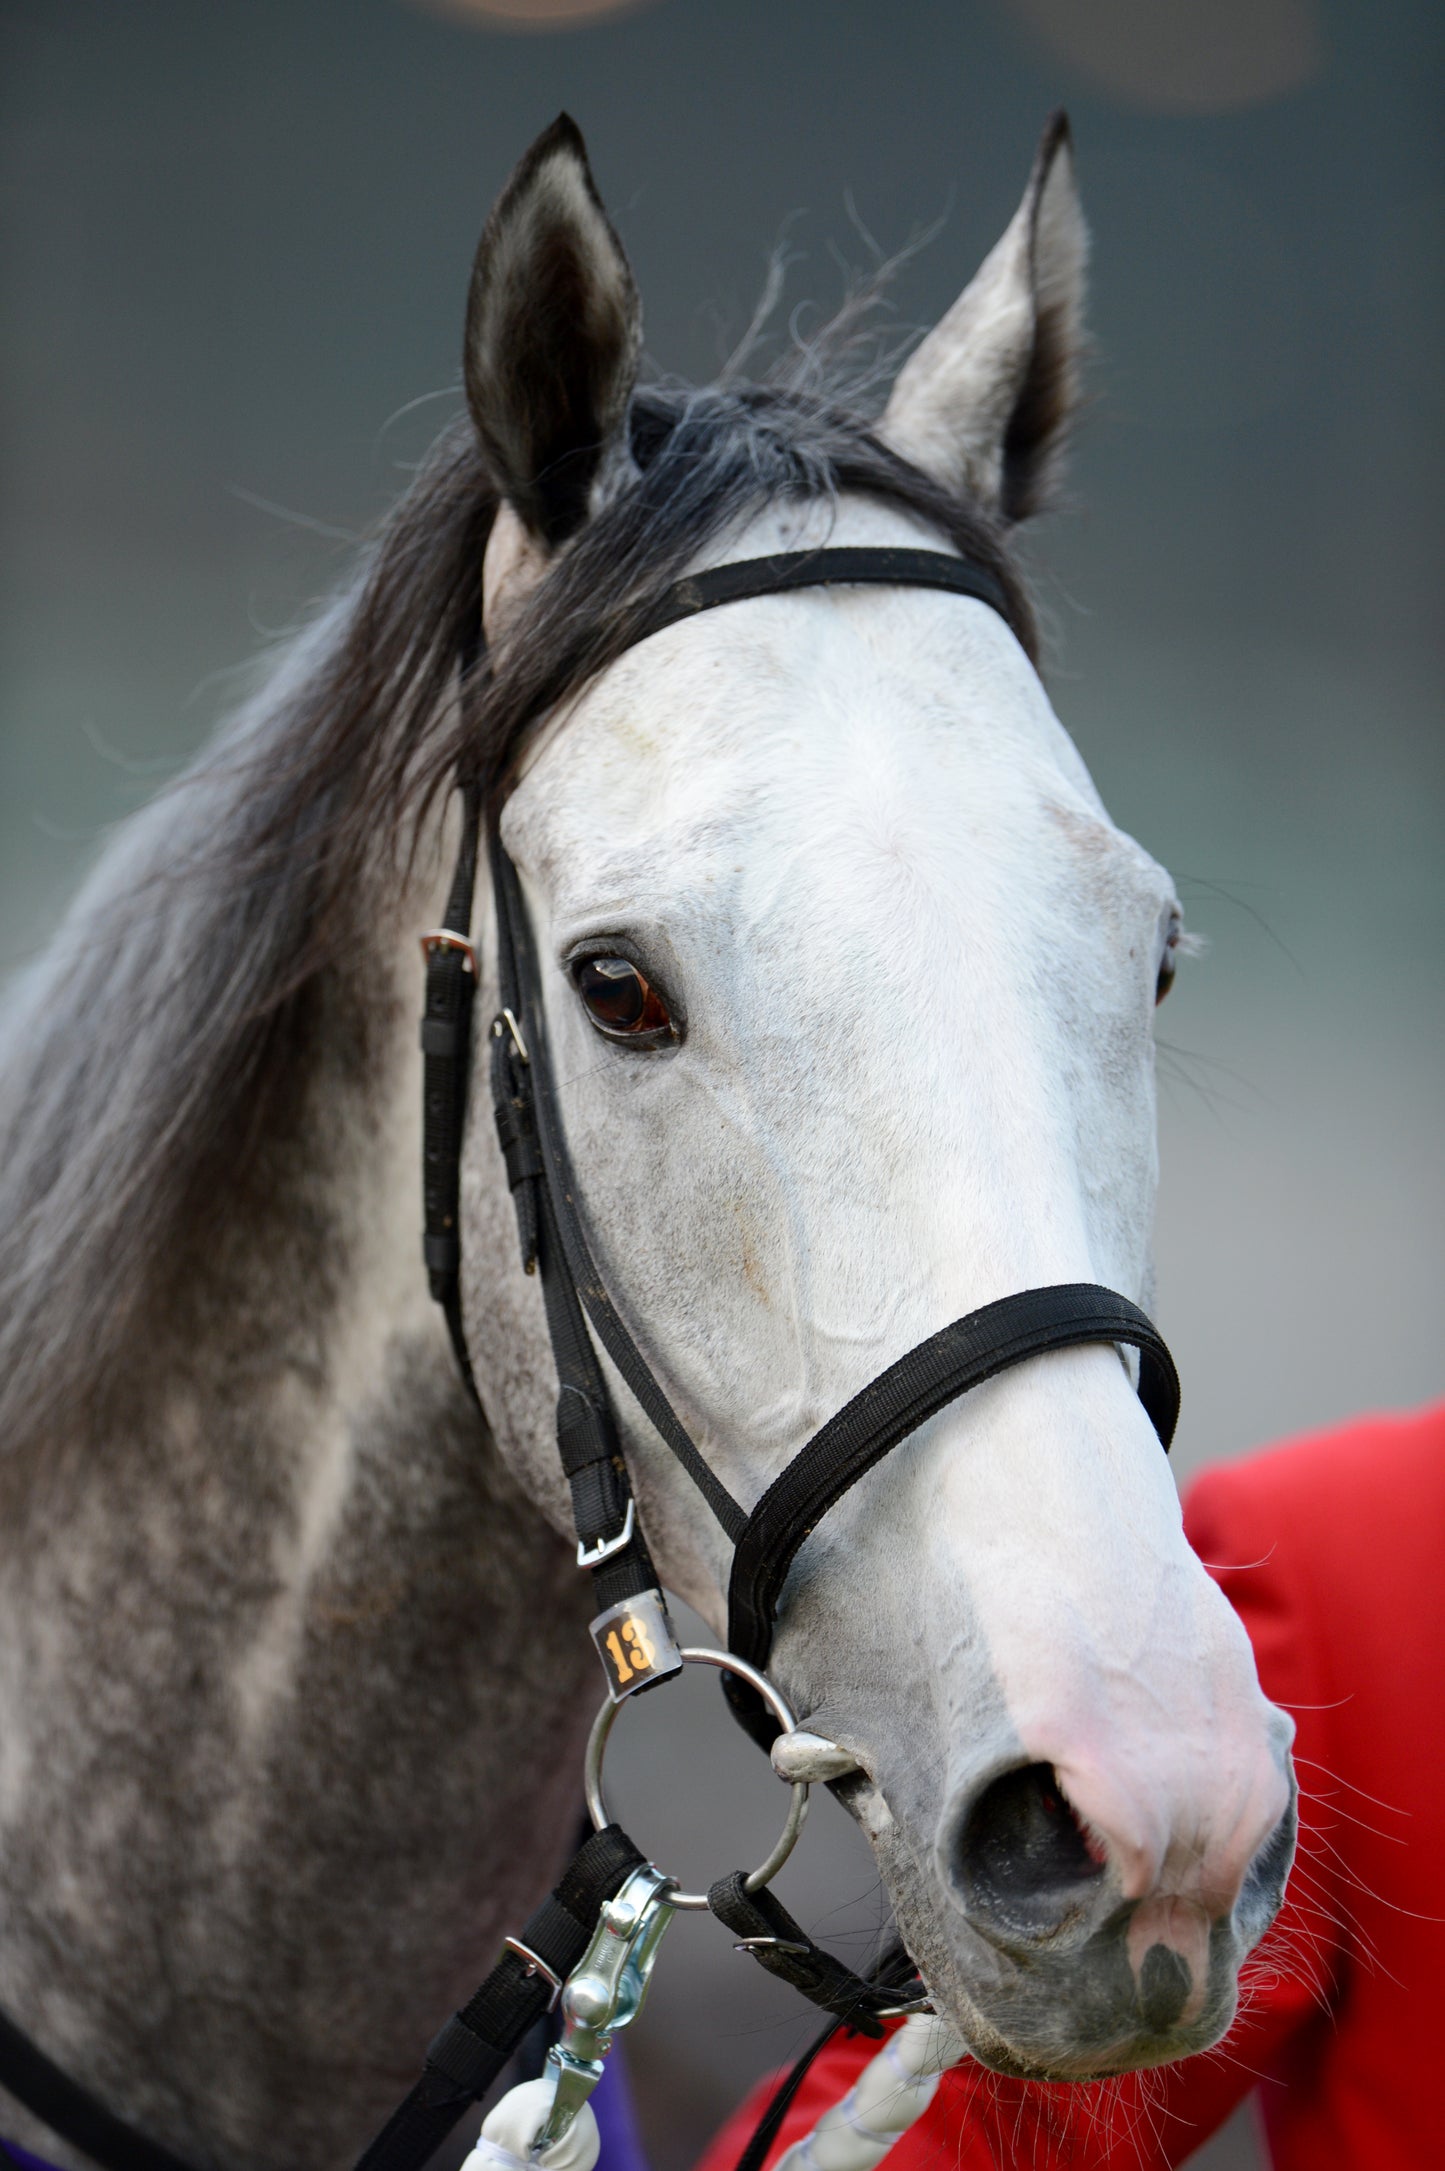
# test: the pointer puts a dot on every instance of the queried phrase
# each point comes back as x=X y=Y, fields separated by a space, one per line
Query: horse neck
x=277 y=1768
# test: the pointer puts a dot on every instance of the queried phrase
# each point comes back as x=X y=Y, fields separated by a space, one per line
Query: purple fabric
x=12 y=2152
x=622 y=2148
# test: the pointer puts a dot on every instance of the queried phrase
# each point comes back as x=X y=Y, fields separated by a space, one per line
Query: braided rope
x=891 y=2092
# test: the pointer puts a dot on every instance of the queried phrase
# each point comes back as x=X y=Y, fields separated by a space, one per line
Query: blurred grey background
x=235 y=245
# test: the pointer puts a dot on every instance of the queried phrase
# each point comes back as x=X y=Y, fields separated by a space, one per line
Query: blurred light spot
x=1182 y=56
x=532 y=14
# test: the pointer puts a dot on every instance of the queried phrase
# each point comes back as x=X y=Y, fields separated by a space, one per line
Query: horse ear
x=984 y=404
x=553 y=333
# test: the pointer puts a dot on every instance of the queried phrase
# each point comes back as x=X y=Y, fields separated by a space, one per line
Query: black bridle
x=632 y=1632
x=555 y=1244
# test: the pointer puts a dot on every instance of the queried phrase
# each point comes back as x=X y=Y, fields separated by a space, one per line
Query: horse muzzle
x=1055 y=1968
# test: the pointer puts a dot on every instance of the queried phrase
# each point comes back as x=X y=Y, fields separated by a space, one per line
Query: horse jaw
x=916 y=963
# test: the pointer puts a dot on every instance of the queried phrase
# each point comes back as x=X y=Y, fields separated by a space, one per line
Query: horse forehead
x=797 y=712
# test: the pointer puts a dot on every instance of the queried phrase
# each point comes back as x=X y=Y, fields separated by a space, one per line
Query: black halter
x=555 y=1243
x=632 y=1632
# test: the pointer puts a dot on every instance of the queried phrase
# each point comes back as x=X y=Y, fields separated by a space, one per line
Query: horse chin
x=1040 y=2029
x=984 y=2043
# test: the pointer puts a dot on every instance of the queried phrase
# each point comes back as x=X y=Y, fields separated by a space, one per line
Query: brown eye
x=620 y=1001
x=1165 y=980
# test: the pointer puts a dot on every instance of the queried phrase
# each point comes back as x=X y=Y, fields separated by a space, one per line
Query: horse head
x=848 y=980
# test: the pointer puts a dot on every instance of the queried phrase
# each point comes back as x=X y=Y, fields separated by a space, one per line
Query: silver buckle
x=447 y=938
x=535 y=1966
x=505 y=1017
x=606 y=1547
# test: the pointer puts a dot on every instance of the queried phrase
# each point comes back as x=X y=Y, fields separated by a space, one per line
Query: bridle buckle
x=535 y=1965
x=592 y=1557
x=506 y=1018
x=447 y=938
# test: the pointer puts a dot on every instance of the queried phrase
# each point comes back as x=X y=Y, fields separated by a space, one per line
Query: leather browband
x=784 y=572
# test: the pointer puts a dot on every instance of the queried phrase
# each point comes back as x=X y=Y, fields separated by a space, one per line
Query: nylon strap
x=587 y=1441
x=768 y=2127
x=894 y=1981
x=961 y=1356
x=561 y=1187
x=446 y=1041
x=784 y=1948
x=469 y=2053
x=784 y=572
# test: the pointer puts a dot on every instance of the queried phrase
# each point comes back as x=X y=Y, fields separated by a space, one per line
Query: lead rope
x=889 y=2096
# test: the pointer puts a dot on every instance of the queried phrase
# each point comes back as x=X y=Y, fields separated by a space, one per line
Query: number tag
x=635 y=1644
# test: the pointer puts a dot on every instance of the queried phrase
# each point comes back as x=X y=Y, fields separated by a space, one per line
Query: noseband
x=632 y=1631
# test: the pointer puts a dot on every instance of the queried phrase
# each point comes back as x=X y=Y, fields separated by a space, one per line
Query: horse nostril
x=1264 y=1880
x=1023 y=1862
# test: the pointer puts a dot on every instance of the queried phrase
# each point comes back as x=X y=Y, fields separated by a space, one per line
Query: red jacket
x=1332 y=1550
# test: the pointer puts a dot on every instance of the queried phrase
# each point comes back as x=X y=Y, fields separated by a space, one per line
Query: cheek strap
x=1010 y=1331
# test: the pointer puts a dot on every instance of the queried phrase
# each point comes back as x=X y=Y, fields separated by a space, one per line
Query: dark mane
x=190 y=959
x=706 y=460
x=368 y=759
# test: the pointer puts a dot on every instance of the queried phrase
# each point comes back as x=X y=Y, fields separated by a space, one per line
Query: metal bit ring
x=725 y=1662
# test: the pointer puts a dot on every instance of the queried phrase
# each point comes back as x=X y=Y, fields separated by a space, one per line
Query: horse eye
x=621 y=1001
x=1167 y=962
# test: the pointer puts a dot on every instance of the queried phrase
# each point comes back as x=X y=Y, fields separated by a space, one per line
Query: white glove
x=511 y=2126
